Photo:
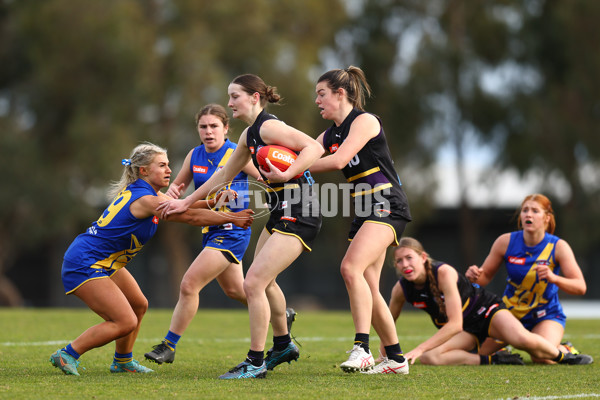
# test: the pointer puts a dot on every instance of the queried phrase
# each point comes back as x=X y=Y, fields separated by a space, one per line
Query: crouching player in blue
x=464 y=313
x=93 y=267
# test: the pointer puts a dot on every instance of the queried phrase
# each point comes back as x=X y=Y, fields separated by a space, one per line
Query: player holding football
x=291 y=228
x=357 y=146
x=223 y=245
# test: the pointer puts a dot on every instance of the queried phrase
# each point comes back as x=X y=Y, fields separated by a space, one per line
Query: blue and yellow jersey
x=117 y=236
x=525 y=295
x=371 y=170
x=204 y=164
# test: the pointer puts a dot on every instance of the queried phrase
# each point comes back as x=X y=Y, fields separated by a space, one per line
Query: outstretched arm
x=146 y=206
x=447 y=283
x=237 y=161
x=277 y=132
x=363 y=128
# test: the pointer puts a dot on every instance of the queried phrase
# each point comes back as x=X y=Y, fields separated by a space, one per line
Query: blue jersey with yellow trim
x=525 y=295
x=371 y=170
x=204 y=164
x=117 y=236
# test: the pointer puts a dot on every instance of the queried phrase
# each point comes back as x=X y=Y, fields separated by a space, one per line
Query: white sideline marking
x=566 y=396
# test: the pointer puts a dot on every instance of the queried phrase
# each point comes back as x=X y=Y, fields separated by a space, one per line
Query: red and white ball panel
x=281 y=157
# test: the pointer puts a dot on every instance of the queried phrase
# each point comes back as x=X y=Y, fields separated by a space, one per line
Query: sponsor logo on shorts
x=199 y=169
x=492 y=307
x=516 y=260
x=155 y=220
x=286 y=218
x=540 y=314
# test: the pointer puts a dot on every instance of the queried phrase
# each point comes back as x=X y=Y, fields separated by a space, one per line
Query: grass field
x=217 y=340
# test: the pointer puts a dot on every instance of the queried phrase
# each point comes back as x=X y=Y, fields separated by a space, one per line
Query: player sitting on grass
x=464 y=313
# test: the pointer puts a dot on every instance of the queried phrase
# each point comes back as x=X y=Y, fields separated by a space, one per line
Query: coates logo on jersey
x=251 y=148
x=199 y=169
x=516 y=260
x=333 y=148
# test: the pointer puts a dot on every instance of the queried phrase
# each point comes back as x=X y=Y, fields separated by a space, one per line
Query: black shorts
x=305 y=226
x=478 y=317
x=384 y=217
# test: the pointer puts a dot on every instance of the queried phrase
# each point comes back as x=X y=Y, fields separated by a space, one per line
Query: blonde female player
x=357 y=146
x=94 y=264
x=291 y=228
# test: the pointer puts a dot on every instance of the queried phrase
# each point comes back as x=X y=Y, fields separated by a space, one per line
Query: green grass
x=218 y=340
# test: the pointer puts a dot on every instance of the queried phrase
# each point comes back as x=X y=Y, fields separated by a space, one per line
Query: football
x=279 y=156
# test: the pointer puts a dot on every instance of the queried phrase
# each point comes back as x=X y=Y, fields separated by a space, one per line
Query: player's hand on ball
x=274 y=175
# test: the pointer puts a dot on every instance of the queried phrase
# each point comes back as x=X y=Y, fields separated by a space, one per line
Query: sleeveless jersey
x=525 y=295
x=276 y=191
x=204 y=164
x=371 y=170
x=117 y=236
x=475 y=300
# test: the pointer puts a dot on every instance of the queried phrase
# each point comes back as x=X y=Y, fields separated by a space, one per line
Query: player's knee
x=429 y=358
x=187 y=288
x=140 y=306
x=348 y=272
x=127 y=325
x=235 y=293
x=253 y=286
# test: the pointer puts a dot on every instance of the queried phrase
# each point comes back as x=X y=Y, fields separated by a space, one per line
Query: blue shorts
x=74 y=275
x=540 y=314
x=232 y=244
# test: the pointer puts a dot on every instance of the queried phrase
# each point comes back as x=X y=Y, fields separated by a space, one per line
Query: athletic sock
x=559 y=357
x=171 y=340
x=281 y=342
x=123 y=358
x=485 y=360
x=256 y=358
x=394 y=352
x=362 y=339
x=69 y=350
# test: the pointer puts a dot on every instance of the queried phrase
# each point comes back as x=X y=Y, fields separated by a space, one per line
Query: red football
x=279 y=156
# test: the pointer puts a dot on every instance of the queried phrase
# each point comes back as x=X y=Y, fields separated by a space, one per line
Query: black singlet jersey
x=475 y=300
x=371 y=170
x=275 y=190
